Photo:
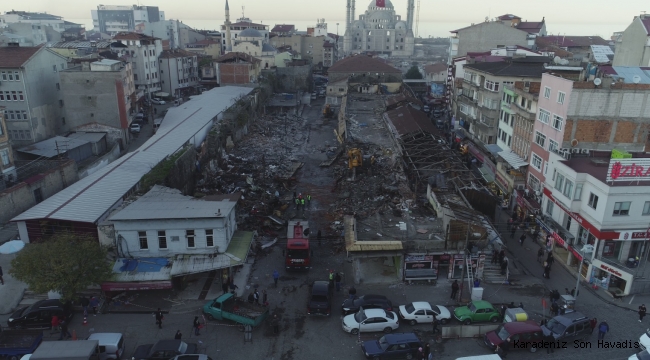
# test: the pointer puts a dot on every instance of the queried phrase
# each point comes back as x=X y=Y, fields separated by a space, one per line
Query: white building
x=253 y=43
x=142 y=52
x=33 y=18
x=179 y=72
x=178 y=34
x=111 y=19
x=600 y=204
x=239 y=26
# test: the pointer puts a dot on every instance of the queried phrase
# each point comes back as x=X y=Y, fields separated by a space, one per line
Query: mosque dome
x=387 y=4
x=251 y=33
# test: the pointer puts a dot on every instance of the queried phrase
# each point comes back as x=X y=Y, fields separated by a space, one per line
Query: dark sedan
x=351 y=306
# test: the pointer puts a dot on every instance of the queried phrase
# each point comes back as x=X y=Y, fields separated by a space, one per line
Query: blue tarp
x=144 y=264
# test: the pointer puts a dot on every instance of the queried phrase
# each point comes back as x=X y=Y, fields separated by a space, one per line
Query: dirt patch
x=287 y=355
x=300 y=326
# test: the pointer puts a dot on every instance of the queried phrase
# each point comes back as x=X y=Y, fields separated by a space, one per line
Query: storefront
x=611 y=278
x=478 y=263
x=438 y=264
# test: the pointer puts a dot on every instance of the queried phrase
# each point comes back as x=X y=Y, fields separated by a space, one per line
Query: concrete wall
x=633 y=49
x=20 y=197
x=100 y=163
x=178 y=73
x=489 y=35
x=294 y=78
x=182 y=174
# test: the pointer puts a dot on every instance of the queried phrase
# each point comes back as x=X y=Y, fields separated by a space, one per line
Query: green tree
x=413 y=73
x=66 y=263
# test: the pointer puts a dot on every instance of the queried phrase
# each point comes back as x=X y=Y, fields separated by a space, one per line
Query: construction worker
x=302 y=203
x=332 y=278
x=297 y=203
x=308 y=199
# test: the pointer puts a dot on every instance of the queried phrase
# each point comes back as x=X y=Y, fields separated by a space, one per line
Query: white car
x=369 y=320
x=422 y=312
x=158 y=101
x=643 y=355
x=135 y=128
x=644 y=340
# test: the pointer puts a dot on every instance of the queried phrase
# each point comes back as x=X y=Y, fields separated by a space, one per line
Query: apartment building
x=142 y=52
x=112 y=19
x=179 y=72
x=7 y=166
x=633 y=46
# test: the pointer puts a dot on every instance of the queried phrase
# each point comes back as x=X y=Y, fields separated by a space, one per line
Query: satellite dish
x=557 y=59
x=597 y=81
x=636 y=79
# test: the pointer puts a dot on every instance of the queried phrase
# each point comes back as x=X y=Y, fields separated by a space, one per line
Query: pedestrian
x=547 y=271
x=251 y=298
x=603 y=329
x=297 y=203
x=555 y=309
x=64 y=330
x=435 y=324
x=94 y=303
x=510 y=223
x=233 y=287
x=159 y=318
x=276 y=276
x=2 y=280
x=256 y=297
x=337 y=280
x=179 y=335
x=224 y=286
x=427 y=350
x=642 y=311
x=504 y=266
x=352 y=292
x=275 y=322
x=503 y=349
x=265 y=298
x=331 y=277
x=454 y=289
x=593 y=322
x=197 y=326
x=84 y=304
x=56 y=322
x=512 y=232
x=550 y=259
x=522 y=238
x=318 y=237
x=502 y=255
x=540 y=253
x=549 y=342
x=420 y=354
x=308 y=199
x=574 y=292
x=302 y=203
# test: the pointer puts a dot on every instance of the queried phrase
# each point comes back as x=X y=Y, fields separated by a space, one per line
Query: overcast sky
x=557 y=12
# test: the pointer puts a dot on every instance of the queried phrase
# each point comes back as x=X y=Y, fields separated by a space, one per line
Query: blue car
x=392 y=346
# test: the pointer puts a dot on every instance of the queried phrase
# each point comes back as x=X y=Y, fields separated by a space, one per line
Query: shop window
x=646 y=208
x=593 y=201
x=612 y=248
x=622 y=208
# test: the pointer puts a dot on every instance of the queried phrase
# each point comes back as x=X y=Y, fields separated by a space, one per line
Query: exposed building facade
x=379 y=30
x=235 y=68
x=633 y=46
x=30 y=94
x=7 y=166
x=99 y=93
x=112 y=19
x=178 y=34
x=179 y=73
x=142 y=52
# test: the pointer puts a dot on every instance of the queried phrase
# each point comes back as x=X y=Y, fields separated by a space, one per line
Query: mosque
x=379 y=30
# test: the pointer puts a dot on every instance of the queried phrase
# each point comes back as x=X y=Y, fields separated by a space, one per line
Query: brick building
x=236 y=68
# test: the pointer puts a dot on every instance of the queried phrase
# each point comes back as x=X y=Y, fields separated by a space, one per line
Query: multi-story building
x=142 y=52
x=179 y=73
x=435 y=72
x=253 y=43
x=80 y=49
x=236 y=28
x=7 y=167
x=479 y=100
x=283 y=30
x=633 y=45
x=233 y=68
x=33 y=18
x=99 y=97
x=596 y=209
x=178 y=34
x=313 y=48
x=27 y=34
x=207 y=47
x=30 y=93
x=111 y=19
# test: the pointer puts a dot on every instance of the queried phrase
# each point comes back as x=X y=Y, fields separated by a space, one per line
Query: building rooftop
x=602 y=53
x=511 y=67
x=283 y=28
x=81 y=44
x=16 y=56
x=133 y=36
x=235 y=56
x=91 y=137
x=362 y=63
x=176 y=53
x=645 y=21
x=406 y=120
x=90 y=198
x=531 y=26
x=107 y=62
x=508 y=17
x=570 y=41
x=53 y=147
x=598 y=168
x=163 y=203
x=34 y=15
x=435 y=68
x=247 y=24
x=629 y=74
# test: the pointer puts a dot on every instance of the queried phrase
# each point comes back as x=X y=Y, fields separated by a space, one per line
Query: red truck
x=298 y=255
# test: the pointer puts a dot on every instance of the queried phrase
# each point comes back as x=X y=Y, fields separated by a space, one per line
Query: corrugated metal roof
x=602 y=53
x=162 y=203
x=90 y=198
x=92 y=137
x=53 y=146
x=628 y=73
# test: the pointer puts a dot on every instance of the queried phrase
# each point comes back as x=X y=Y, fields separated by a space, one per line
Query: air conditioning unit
x=575 y=151
x=585 y=151
x=537 y=193
x=527 y=192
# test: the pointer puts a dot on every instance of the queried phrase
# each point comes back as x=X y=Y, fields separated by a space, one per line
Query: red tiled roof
x=176 y=53
x=15 y=57
x=570 y=41
x=435 y=68
x=362 y=63
x=283 y=28
x=237 y=56
x=133 y=36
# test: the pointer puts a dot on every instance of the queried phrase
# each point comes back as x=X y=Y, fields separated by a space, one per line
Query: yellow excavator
x=327 y=111
x=356 y=159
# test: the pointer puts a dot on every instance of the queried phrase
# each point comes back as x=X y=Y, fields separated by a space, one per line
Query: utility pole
x=465 y=260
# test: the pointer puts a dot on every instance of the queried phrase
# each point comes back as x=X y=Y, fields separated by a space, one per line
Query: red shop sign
x=520 y=202
x=558 y=239
x=575 y=253
x=611 y=270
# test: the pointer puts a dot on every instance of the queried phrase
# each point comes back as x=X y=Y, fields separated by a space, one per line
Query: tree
x=413 y=73
x=66 y=263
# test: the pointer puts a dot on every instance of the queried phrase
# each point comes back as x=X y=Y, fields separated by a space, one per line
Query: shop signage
x=445 y=257
x=477 y=154
x=502 y=181
x=592 y=229
x=575 y=253
x=559 y=240
x=542 y=225
x=634 y=235
x=632 y=169
x=610 y=270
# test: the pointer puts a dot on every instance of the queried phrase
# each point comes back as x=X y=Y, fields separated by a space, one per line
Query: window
x=162 y=240
x=4 y=76
x=557 y=122
x=491 y=85
x=540 y=139
x=553 y=145
x=464 y=109
x=4 y=155
x=593 y=200
x=646 y=208
x=544 y=116
x=21 y=97
x=559 y=182
x=547 y=92
x=189 y=234
x=2 y=96
x=549 y=207
x=536 y=162
x=54 y=68
x=622 y=208
x=58 y=87
x=17 y=75
x=533 y=182
x=209 y=238
x=11 y=76
x=14 y=95
x=24 y=114
x=38 y=195
x=578 y=194
x=142 y=239
x=560 y=97
x=568 y=189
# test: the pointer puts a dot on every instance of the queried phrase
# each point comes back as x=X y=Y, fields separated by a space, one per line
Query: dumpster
x=515 y=314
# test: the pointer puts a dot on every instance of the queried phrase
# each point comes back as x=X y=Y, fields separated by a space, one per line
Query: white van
x=481 y=357
x=111 y=345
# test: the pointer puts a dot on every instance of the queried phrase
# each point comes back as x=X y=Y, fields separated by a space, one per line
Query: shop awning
x=487 y=174
x=493 y=148
x=513 y=159
x=161 y=94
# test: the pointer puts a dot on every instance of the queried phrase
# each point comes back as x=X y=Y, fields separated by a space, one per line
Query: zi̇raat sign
x=636 y=169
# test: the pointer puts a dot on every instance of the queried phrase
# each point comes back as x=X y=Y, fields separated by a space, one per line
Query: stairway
x=492 y=273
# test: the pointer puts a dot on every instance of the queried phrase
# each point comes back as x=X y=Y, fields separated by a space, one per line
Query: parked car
x=163 y=349
x=111 y=345
x=568 y=327
x=476 y=311
x=391 y=346
x=139 y=116
x=350 y=306
x=437 y=113
x=370 y=320
x=39 y=315
x=314 y=95
x=643 y=355
x=426 y=108
x=135 y=128
x=320 y=299
x=526 y=334
x=158 y=101
x=644 y=340
x=423 y=312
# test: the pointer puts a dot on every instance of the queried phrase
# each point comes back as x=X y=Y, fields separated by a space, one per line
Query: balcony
x=468 y=99
x=486 y=122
